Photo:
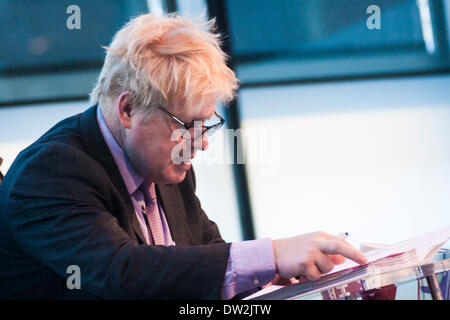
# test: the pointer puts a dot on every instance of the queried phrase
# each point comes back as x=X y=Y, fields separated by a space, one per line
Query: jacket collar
x=173 y=204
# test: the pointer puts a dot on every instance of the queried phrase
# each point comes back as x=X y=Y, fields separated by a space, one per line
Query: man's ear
x=124 y=109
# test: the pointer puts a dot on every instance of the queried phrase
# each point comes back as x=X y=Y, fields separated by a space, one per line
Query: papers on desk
x=416 y=251
x=425 y=247
x=264 y=291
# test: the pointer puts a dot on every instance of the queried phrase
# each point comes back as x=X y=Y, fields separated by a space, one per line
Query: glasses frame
x=191 y=125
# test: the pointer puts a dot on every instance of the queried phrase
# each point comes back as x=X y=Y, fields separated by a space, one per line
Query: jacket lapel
x=96 y=146
x=172 y=204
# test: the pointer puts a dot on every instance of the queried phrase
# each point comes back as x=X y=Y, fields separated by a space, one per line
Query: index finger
x=340 y=246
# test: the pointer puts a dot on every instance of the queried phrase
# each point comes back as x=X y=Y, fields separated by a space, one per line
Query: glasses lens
x=214 y=129
x=211 y=122
x=197 y=133
x=201 y=128
x=193 y=133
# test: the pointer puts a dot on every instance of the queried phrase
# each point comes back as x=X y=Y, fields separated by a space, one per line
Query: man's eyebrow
x=196 y=119
x=204 y=117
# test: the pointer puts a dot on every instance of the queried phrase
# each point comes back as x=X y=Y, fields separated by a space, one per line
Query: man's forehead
x=207 y=112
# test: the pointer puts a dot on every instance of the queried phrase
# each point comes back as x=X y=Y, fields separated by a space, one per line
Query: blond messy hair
x=166 y=60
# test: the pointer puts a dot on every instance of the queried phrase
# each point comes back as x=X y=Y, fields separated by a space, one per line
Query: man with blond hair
x=102 y=207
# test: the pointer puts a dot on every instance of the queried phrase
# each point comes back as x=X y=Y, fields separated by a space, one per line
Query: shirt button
x=256 y=282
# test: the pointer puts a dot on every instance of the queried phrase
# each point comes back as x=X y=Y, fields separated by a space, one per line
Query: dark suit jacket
x=63 y=202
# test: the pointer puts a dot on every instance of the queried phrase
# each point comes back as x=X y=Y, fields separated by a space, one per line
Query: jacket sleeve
x=57 y=214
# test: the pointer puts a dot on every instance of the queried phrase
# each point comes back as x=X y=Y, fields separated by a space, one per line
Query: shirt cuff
x=251 y=264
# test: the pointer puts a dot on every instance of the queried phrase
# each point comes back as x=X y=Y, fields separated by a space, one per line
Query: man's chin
x=175 y=178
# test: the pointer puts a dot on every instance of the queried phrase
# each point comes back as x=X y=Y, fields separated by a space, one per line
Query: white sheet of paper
x=426 y=247
x=263 y=291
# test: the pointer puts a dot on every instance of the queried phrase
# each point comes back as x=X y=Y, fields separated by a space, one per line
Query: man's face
x=150 y=141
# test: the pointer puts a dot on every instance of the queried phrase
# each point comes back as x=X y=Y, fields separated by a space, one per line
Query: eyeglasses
x=194 y=132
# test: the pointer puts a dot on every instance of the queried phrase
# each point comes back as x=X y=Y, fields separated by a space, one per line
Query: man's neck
x=112 y=122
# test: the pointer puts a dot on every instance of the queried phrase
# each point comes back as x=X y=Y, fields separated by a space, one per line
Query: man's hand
x=312 y=254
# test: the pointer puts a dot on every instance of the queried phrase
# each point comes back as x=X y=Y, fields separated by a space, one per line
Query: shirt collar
x=131 y=177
